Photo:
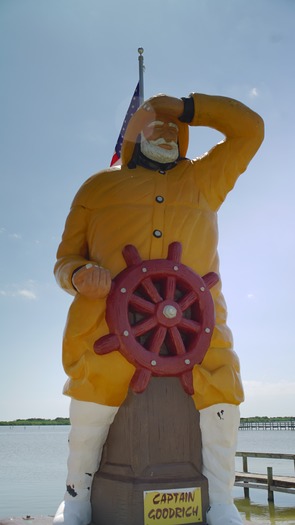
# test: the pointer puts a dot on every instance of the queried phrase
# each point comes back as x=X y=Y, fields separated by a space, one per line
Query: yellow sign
x=172 y=506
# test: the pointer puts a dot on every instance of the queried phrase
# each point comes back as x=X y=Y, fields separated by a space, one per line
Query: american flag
x=134 y=105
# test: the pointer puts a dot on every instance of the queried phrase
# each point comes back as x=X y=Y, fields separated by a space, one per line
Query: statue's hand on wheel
x=92 y=281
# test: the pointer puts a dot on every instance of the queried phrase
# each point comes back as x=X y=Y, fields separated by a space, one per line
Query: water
x=32 y=469
x=33 y=472
x=257 y=509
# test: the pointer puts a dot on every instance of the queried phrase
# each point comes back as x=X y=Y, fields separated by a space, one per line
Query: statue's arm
x=243 y=130
x=72 y=252
x=74 y=271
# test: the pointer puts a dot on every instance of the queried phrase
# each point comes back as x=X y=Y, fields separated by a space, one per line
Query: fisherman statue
x=156 y=197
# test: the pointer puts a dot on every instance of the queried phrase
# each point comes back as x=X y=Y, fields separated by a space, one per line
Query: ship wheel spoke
x=188 y=325
x=142 y=305
x=131 y=255
x=177 y=341
x=157 y=339
x=174 y=252
x=144 y=326
x=186 y=380
x=151 y=290
x=170 y=287
x=140 y=380
x=106 y=344
x=187 y=300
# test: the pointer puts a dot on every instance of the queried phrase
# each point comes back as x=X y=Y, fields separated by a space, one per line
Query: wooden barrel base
x=153 y=445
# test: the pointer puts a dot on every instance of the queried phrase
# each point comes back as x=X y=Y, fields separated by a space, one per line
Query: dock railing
x=269 y=424
x=266 y=481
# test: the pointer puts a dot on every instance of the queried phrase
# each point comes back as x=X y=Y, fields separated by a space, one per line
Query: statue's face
x=159 y=140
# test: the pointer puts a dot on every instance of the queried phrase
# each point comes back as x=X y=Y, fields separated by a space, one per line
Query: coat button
x=162 y=172
x=157 y=233
x=159 y=198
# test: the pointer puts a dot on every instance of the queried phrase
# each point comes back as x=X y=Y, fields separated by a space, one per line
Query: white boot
x=219 y=427
x=90 y=426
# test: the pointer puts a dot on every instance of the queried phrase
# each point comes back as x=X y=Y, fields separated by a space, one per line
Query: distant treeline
x=33 y=421
x=66 y=421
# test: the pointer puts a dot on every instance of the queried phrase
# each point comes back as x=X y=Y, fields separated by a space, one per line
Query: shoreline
x=246 y=422
x=36 y=422
x=36 y=520
x=45 y=520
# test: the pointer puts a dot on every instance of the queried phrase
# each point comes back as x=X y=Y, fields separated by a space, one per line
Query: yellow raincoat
x=119 y=206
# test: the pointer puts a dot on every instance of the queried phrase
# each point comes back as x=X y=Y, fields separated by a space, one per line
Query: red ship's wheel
x=161 y=317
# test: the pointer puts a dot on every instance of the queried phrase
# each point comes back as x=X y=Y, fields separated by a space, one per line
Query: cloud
x=27 y=291
x=28 y=294
x=250 y=296
x=268 y=398
x=254 y=92
x=10 y=235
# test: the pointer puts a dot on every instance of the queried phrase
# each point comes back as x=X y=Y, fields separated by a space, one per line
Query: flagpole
x=141 y=70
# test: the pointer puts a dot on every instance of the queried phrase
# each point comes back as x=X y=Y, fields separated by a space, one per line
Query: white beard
x=152 y=150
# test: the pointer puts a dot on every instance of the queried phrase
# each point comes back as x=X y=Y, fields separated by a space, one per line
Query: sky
x=68 y=71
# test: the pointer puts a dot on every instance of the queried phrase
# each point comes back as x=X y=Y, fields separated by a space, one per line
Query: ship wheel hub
x=170 y=311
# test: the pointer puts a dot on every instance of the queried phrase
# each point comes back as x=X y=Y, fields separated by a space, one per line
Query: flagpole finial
x=140 y=50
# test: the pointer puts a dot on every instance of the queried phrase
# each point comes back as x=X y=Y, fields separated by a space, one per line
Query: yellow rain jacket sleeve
x=119 y=206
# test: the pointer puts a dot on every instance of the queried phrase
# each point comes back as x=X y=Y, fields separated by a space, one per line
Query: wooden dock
x=268 y=425
x=268 y=481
